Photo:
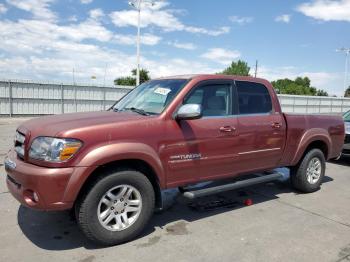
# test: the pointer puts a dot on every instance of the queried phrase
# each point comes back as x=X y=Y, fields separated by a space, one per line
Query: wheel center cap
x=119 y=207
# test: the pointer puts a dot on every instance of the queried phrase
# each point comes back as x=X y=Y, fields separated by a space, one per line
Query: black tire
x=298 y=173
x=87 y=205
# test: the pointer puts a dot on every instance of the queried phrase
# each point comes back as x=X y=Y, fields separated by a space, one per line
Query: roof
x=215 y=76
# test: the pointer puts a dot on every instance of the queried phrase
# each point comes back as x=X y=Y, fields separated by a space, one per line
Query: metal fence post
x=319 y=105
x=331 y=105
x=293 y=104
x=10 y=99
x=342 y=106
x=75 y=98
x=104 y=98
x=62 y=99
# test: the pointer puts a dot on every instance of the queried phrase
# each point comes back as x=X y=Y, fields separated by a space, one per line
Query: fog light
x=35 y=197
x=31 y=197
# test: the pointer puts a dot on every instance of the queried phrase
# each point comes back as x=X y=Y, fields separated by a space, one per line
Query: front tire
x=307 y=176
x=116 y=207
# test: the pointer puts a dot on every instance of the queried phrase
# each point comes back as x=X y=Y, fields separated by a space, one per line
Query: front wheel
x=307 y=176
x=116 y=208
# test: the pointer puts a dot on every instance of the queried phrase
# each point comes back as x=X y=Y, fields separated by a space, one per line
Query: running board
x=236 y=185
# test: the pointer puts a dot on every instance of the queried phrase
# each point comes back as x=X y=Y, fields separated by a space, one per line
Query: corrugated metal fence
x=30 y=98
x=33 y=98
x=314 y=104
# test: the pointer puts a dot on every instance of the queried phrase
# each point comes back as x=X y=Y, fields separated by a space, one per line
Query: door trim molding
x=258 y=151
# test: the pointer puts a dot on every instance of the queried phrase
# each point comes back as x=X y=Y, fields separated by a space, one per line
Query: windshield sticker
x=162 y=91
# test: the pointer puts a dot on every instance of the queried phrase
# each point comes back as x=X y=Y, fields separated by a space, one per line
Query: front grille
x=346 y=151
x=347 y=139
x=19 y=144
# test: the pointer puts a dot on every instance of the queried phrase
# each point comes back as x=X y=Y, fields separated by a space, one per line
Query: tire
x=311 y=181
x=92 y=206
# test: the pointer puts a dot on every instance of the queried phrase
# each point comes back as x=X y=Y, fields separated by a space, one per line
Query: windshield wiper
x=138 y=110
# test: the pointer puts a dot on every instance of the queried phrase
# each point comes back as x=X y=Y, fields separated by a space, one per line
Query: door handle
x=227 y=129
x=276 y=125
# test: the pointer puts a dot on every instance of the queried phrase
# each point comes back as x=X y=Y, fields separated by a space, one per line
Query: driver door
x=203 y=149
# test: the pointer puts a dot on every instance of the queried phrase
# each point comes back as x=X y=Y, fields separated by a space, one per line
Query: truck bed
x=326 y=129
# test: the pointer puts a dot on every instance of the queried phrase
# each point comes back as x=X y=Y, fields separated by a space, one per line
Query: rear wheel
x=116 y=208
x=307 y=176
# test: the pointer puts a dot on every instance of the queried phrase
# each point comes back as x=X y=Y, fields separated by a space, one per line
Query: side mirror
x=189 y=111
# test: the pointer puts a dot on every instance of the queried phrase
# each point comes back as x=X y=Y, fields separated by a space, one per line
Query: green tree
x=347 y=92
x=237 y=68
x=321 y=92
x=131 y=80
x=299 y=86
x=144 y=75
x=125 y=81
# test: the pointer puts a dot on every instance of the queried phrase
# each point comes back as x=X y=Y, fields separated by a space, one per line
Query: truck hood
x=57 y=124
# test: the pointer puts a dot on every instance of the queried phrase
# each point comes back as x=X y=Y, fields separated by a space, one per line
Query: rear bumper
x=49 y=184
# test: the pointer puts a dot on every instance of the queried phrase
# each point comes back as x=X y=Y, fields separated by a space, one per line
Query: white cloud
x=222 y=56
x=146 y=39
x=3 y=9
x=96 y=13
x=39 y=8
x=187 y=46
x=73 y=18
x=168 y=67
x=200 y=30
x=283 y=18
x=157 y=16
x=86 y=1
x=28 y=51
x=241 y=20
x=332 y=82
x=326 y=10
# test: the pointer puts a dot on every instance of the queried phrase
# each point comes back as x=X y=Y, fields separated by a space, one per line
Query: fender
x=311 y=135
x=105 y=154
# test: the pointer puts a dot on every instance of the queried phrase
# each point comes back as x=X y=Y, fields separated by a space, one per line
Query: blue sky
x=46 y=39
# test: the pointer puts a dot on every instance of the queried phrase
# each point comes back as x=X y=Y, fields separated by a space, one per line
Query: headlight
x=347 y=127
x=53 y=149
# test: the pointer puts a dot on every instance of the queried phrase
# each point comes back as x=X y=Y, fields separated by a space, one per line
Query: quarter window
x=253 y=98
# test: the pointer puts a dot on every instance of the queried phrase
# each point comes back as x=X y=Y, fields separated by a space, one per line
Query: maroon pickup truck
x=111 y=166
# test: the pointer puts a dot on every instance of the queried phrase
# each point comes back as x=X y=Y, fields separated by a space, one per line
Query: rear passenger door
x=261 y=129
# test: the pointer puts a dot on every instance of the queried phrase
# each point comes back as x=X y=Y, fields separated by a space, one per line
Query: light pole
x=347 y=52
x=137 y=5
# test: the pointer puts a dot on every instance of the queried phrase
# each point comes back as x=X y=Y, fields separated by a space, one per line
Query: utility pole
x=256 y=68
x=73 y=71
x=347 y=52
x=104 y=77
x=137 y=4
x=138 y=43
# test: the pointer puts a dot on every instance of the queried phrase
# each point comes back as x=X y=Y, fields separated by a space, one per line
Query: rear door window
x=253 y=98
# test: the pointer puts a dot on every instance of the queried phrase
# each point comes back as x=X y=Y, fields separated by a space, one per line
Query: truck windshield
x=151 y=97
